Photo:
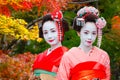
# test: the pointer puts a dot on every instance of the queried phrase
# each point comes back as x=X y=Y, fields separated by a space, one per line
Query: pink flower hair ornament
x=100 y=23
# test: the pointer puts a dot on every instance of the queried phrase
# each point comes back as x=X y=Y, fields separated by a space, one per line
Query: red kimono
x=49 y=62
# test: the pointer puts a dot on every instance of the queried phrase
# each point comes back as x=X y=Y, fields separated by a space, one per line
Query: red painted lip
x=51 y=40
x=89 y=42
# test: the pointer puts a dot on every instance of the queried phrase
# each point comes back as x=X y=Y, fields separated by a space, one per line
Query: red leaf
x=5 y=11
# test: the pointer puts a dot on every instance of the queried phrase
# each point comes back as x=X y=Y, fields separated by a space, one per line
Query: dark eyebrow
x=94 y=31
x=52 y=28
x=44 y=30
x=86 y=30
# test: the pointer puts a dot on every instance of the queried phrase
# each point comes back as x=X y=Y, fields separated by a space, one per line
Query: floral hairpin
x=57 y=17
x=100 y=23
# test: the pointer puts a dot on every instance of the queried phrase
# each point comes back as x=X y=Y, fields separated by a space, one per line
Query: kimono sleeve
x=107 y=64
x=106 y=61
x=64 y=69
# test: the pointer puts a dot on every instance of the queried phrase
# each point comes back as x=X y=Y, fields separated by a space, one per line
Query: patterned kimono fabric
x=88 y=71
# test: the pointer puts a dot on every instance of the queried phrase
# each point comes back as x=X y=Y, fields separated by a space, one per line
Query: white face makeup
x=88 y=34
x=50 y=33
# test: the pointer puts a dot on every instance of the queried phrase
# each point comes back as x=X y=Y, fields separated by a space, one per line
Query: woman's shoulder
x=71 y=51
x=101 y=51
x=42 y=53
x=70 y=54
x=61 y=49
x=64 y=48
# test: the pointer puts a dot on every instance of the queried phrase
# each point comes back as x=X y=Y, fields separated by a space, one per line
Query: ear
x=78 y=33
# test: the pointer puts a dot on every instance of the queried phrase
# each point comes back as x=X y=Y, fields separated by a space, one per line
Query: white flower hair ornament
x=100 y=23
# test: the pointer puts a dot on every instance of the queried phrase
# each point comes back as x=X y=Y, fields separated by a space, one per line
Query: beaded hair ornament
x=100 y=22
x=57 y=17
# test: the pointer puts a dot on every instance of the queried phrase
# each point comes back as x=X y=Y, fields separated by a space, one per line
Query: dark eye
x=45 y=32
x=94 y=33
x=85 y=32
x=53 y=31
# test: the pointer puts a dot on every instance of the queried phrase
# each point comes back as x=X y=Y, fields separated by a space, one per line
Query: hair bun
x=86 y=10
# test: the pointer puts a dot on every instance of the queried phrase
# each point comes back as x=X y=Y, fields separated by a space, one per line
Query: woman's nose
x=49 y=35
x=89 y=36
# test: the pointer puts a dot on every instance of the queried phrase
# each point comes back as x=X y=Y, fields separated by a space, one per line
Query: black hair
x=87 y=17
x=65 y=26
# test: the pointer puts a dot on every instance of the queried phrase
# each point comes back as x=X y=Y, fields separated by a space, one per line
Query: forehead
x=49 y=25
x=89 y=26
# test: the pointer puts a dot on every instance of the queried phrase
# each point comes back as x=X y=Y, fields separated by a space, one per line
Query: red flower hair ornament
x=57 y=17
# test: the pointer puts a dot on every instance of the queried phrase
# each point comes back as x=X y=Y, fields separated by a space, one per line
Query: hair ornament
x=83 y=12
x=86 y=10
x=80 y=22
x=57 y=17
x=100 y=23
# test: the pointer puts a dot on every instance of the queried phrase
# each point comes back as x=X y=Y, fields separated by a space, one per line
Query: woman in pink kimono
x=86 y=62
x=52 y=29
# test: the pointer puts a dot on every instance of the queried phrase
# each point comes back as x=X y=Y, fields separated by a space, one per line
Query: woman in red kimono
x=86 y=62
x=52 y=30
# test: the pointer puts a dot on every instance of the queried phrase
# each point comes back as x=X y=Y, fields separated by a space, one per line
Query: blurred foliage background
x=109 y=9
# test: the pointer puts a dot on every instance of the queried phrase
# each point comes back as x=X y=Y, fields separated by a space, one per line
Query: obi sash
x=37 y=72
x=88 y=71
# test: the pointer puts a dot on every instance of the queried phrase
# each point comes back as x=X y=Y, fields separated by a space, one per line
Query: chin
x=53 y=44
x=88 y=45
